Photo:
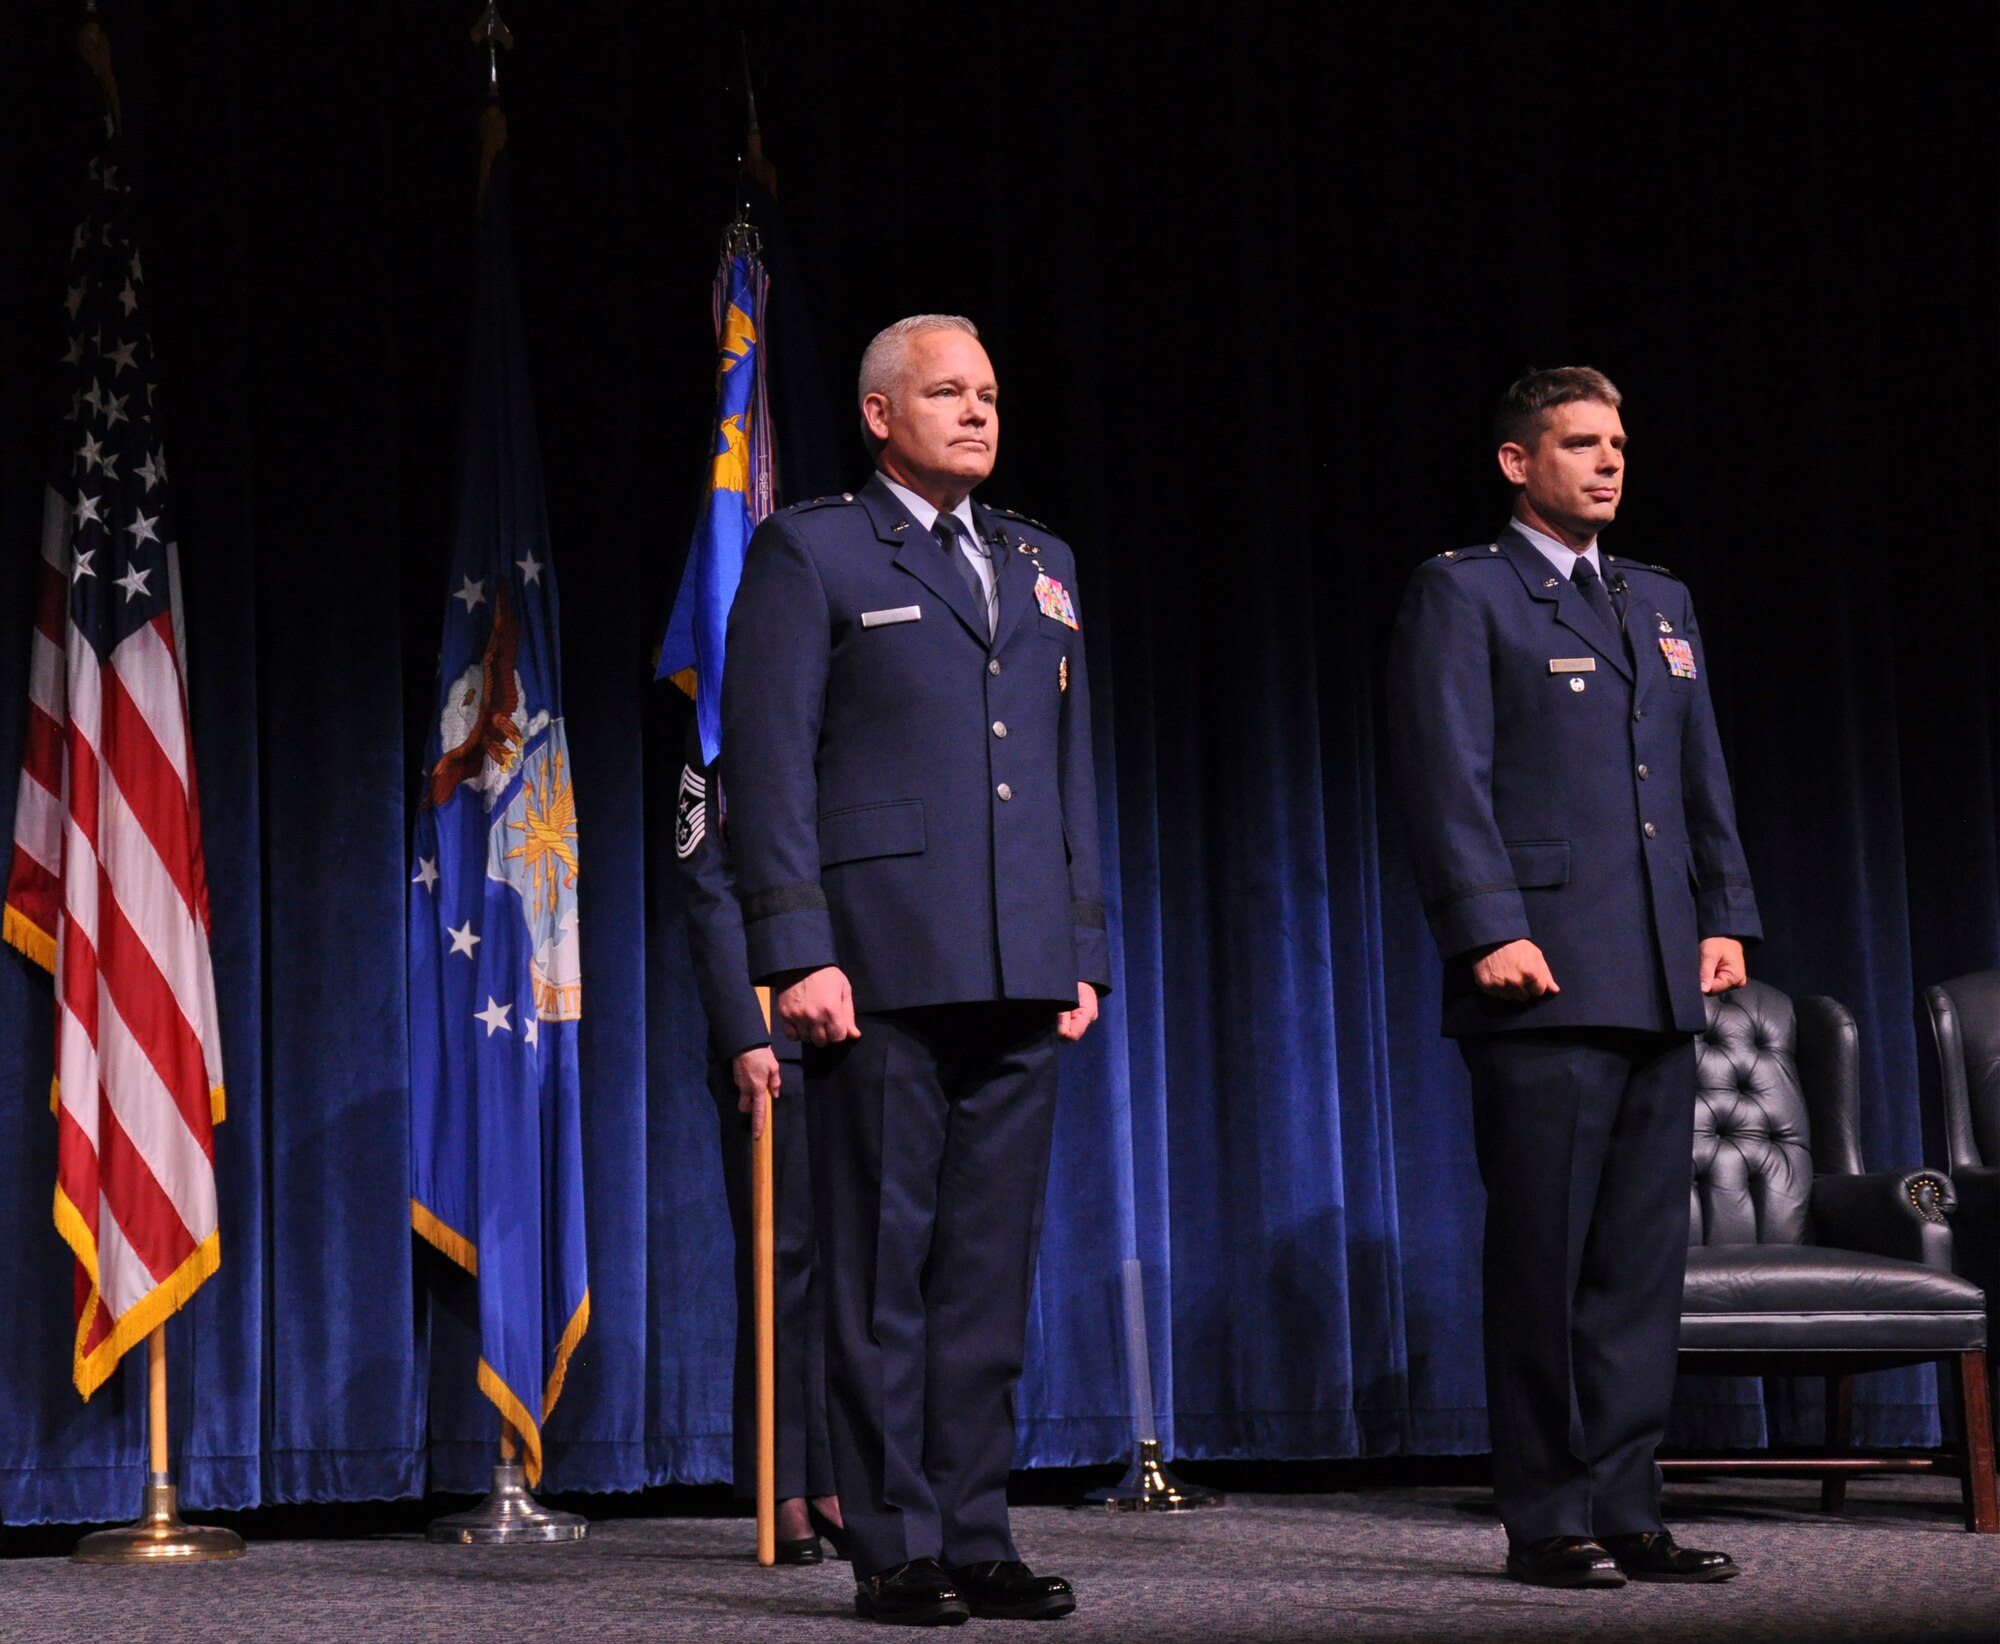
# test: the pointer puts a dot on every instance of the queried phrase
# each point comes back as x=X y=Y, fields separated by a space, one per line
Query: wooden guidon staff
x=763 y=1256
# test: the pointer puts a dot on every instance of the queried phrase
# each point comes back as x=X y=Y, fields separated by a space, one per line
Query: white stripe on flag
x=76 y=1070
x=38 y=825
x=150 y=900
x=123 y=1280
x=146 y=1112
x=55 y=530
x=45 y=676
x=152 y=679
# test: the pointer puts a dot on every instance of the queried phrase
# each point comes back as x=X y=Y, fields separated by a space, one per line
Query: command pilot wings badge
x=690 y=813
x=1054 y=600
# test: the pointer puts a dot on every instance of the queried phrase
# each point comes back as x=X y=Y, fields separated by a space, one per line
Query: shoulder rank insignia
x=819 y=502
x=1011 y=513
x=1680 y=657
x=690 y=812
x=1054 y=600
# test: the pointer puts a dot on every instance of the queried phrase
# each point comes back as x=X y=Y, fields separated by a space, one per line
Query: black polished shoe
x=836 y=1534
x=1654 y=1555
x=916 y=1594
x=1007 y=1590
x=1564 y=1561
x=803 y=1551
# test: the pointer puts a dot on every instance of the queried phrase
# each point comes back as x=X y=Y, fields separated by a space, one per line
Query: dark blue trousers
x=804 y=1464
x=930 y=1144
x=1585 y=1139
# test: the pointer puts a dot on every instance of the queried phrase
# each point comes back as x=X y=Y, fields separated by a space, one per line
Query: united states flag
x=107 y=889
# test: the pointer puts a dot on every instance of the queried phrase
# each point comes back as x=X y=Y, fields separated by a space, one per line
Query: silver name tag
x=882 y=619
x=1572 y=664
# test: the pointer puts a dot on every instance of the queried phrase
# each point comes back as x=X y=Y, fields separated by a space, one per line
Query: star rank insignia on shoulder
x=1640 y=564
x=819 y=502
x=1015 y=514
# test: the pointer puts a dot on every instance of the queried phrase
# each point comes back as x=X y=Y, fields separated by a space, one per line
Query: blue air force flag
x=740 y=492
x=496 y=986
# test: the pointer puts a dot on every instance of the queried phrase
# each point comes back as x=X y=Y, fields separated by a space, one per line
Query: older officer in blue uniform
x=746 y=1072
x=907 y=743
x=1575 y=846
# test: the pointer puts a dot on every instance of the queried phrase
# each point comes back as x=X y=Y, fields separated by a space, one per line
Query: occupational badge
x=1062 y=673
x=1680 y=657
x=1053 y=598
x=690 y=813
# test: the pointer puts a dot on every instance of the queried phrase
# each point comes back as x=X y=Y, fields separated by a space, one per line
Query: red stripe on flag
x=145 y=1000
x=76 y=1169
x=76 y=987
x=198 y=865
x=146 y=1216
x=147 y=779
x=51 y=605
x=41 y=758
x=101 y=1321
x=83 y=780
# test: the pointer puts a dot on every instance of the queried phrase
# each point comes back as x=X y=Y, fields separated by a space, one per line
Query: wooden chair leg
x=1839 y=1439
x=1982 y=1503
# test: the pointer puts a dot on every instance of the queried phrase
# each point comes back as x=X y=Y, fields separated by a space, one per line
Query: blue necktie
x=949 y=533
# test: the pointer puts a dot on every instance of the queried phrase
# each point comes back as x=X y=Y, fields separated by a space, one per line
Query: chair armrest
x=1900 y=1213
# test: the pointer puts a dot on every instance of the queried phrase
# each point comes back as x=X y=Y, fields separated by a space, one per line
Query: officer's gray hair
x=1524 y=409
x=882 y=360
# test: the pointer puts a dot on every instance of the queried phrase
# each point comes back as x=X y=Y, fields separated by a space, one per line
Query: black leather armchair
x=1965 y=1028
x=1802 y=1263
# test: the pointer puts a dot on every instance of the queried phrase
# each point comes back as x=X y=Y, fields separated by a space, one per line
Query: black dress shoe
x=803 y=1551
x=1564 y=1561
x=1653 y=1555
x=1007 y=1590
x=916 y=1594
x=836 y=1534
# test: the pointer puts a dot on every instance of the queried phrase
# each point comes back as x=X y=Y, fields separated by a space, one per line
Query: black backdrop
x=1252 y=282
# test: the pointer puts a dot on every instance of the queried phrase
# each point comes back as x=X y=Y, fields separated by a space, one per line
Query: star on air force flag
x=496 y=988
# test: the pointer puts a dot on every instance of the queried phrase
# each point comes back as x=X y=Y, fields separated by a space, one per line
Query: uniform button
x=1004 y=791
x=993 y=667
x=1638 y=713
x=1650 y=830
x=999 y=727
x=1644 y=773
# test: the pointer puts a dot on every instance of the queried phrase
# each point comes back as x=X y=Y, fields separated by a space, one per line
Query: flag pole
x=159 y=1535
x=763 y=1262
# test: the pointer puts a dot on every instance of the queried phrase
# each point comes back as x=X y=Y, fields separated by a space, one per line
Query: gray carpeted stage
x=1391 y=1563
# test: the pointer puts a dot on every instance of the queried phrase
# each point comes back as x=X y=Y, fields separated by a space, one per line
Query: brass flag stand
x=159 y=1536
x=1148 y=1486
x=509 y=1515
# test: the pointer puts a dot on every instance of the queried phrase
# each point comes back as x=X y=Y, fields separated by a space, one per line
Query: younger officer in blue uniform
x=746 y=1070
x=907 y=743
x=1575 y=845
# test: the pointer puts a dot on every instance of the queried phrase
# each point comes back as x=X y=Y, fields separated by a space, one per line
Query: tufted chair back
x=1965 y=1019
x=1753 y=1154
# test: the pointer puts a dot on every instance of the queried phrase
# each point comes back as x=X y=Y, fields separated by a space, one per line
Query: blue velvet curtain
x=1251 y=295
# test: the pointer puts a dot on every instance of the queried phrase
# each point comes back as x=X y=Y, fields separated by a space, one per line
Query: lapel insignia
x=900 y=525
x=1680 y=657
x=1054 y=600
x=1553 y=582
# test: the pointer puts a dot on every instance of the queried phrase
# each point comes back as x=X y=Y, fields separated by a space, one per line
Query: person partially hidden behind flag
x=906 y=741
x=745 y=1072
